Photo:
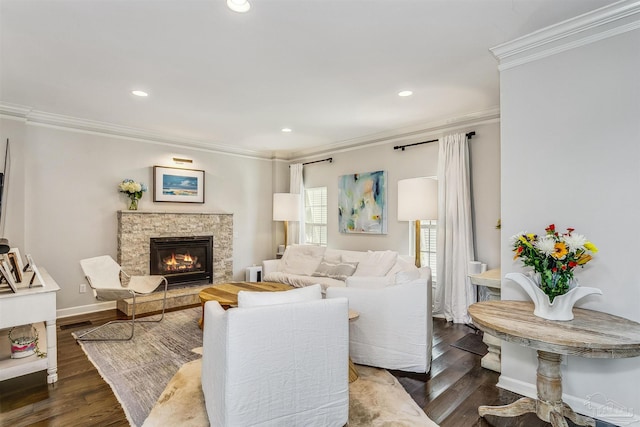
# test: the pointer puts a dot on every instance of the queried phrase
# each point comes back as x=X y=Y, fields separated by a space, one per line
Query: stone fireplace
x=137 y=228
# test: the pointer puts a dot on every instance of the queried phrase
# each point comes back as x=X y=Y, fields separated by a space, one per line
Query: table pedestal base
x=549 y=406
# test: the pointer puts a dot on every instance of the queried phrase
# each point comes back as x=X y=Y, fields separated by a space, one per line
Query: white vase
x=562 y=306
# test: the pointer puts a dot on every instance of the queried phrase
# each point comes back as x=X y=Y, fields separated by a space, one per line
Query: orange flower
x=584 y=258
x=518 y=251
x=561 y=251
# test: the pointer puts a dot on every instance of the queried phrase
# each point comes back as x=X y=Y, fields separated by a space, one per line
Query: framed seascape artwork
x=178 y=185
x=362 y=203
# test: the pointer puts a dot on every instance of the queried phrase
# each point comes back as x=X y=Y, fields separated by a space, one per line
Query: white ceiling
x=328 y=69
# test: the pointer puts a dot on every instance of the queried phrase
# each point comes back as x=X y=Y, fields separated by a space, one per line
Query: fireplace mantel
x=135 y=228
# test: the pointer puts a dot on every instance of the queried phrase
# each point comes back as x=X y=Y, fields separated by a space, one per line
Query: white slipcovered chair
x=103 y=275
x=394 y=329
x=267 y=363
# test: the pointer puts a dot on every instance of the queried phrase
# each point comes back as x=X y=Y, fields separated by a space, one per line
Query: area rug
x=156 y=377
x=138 y=370
x=376 y=399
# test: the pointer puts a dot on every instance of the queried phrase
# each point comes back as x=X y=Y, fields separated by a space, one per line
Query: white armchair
x=395 y=328
x=277 y=365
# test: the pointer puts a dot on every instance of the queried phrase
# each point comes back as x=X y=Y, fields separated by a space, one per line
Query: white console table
x=37 y=306
x=491 y=280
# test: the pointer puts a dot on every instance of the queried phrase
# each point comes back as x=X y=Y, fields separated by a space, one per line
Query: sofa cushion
x=376 y=263
x=254 y=299
x=352 y=256
x=335 y=270
x=333 y=255
x=302 y=259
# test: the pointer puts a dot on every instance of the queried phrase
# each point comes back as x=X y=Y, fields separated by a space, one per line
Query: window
x=315 y=225
x=428 y=240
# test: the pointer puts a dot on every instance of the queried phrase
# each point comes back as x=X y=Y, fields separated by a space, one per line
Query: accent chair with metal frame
x=103 y=275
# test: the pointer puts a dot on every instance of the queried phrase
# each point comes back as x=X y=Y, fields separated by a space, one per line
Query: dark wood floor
x=450 y=394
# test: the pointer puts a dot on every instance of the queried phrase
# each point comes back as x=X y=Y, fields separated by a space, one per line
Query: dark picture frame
x=15 y=266
x=4 y=267
x=178 y=185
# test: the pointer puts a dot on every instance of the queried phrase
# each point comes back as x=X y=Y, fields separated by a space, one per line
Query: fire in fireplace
x=183 y=261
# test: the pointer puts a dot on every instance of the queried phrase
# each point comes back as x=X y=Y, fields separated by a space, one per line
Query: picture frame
x=178 y=185
x=14 y=265
x=36 y=273
x=18 y=257
x=4 y=272
x=362 y=203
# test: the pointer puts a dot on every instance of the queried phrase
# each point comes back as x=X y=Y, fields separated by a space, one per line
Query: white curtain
x=296 y=186
x=454 y=291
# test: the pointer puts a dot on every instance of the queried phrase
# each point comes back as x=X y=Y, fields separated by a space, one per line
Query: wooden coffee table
x=353 y=372
x=227 y=293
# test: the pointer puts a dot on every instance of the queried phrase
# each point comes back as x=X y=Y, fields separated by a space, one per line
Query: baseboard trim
x=595 y=405
x=85 y=309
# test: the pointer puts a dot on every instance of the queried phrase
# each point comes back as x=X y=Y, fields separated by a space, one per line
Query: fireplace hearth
x=184 y=261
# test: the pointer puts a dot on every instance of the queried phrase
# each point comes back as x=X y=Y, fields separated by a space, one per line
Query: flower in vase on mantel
x=554 y=256
x=133 y=190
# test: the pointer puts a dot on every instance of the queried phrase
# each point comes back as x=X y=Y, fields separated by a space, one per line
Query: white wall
x=71 y=198
x=415 y=162
x=571 y=156
x=64 y=195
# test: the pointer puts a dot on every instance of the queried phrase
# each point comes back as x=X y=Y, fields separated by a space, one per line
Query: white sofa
x=391 y=295
x=278 y=359
x=304 y=265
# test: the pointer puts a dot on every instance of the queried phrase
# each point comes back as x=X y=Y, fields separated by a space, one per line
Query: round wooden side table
x=590 y=334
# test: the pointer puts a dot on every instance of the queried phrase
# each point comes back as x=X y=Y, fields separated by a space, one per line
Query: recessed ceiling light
x=405 y=93
x=239 y=5
x=139 y=93
x=287 y=130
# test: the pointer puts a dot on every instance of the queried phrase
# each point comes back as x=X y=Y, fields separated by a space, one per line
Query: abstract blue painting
x=362 y=203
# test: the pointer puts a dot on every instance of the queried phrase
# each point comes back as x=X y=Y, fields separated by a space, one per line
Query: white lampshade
x=417 y=199
x=286 y=207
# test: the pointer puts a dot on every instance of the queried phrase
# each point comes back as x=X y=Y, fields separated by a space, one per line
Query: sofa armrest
x=394 y=329
x=368 y=282
x=270 y=266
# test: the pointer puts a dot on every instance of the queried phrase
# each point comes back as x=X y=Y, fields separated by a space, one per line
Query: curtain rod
x=402 y=147
x=328 y=159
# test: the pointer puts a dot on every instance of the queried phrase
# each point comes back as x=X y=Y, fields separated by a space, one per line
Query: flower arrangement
x=553 y=256
x=133 y=190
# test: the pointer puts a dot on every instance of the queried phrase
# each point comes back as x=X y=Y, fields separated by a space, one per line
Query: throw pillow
x=302 y=259
x=335 y=270
x=255 y=299
x=377 y=263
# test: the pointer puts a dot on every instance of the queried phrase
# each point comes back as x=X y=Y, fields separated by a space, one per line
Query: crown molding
x=412 y=133
x=403 y=135
x=602 y=23
x=40 y=118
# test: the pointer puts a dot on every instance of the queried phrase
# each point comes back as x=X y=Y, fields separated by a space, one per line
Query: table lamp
x=286 y=207
x=417 y=200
